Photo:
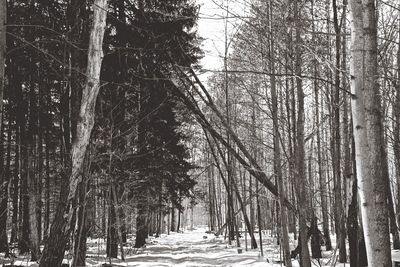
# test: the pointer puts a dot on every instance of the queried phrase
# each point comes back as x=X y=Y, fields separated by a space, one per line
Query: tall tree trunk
x=112 y=244
x=368 y=132
x=336 y=152
x=24 y=242
x=4 y=194
x=300 y=154
x=15 y=186
x=32 y=204
x=40 y=158
x=47 y=181
x=277 y=151
x=3 y=178
x=53 y=252
x=230 y=218
x=396 y=144
x=259 y=220
x=142 y=227
x=322 y=175
x=31 y=175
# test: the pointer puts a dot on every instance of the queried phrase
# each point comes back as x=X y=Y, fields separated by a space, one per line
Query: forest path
x=191 y=248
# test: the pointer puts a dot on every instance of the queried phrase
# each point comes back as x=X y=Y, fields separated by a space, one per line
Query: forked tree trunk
x=368 y=132
x=53 y=252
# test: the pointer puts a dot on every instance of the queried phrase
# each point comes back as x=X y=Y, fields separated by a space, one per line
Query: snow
x=190 y=248
x=196 y=248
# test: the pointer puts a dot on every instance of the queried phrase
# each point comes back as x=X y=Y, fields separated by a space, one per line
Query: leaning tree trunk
x=368 y=132
x=235 y=186
x=53 y=252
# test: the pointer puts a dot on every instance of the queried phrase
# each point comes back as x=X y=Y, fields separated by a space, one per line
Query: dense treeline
x=138 y=155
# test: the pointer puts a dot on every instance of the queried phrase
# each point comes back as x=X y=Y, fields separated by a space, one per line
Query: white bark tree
x=368 y=132
x=54 y=248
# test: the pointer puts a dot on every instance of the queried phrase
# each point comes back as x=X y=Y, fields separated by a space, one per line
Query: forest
x=119 y=148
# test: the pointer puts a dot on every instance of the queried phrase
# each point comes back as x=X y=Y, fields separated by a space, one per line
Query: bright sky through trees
x=211 y=26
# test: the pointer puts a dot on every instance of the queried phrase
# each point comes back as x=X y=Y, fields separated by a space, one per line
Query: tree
x=53 y=252
x=161 y=164
x=368 y=132
x=3 y=177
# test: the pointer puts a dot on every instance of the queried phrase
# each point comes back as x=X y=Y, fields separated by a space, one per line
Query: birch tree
x=368 y=132
x=53 y=252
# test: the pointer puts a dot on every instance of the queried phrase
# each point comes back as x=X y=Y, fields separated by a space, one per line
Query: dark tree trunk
x=173 y=218
x=315 y=240
x=80 y=235
x=15 y=187
x=82 y=223
x=141 y=223
x=124 y=234
x=336 y=147
x=352 y=227
x=31 y=175
x=112 y=237
x=47 y=183
x=121 y=214
x=179 y=221
x=24 y=195
x=4 y=192
x=40 y=159
x=3 y=176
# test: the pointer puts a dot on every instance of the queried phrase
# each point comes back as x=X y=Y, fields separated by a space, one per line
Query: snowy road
x=191 y=249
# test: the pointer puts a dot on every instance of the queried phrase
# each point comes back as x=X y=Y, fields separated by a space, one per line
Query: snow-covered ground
x=190 y=248
x=196 y=248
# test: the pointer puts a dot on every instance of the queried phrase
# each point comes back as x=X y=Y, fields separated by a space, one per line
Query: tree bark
x=300 y=153
x=336 y=139
x=3 y=178
x=33 y=222
x=277 y=151
x=53 y=252
x=368 y=132
x=396 y=135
